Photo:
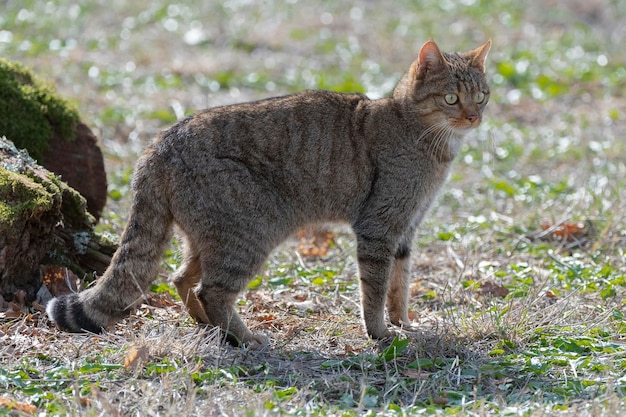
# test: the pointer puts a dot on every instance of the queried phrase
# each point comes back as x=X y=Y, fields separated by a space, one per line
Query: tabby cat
x=238 y=180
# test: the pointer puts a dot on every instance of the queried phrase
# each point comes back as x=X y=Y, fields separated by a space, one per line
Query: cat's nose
x=472 y=117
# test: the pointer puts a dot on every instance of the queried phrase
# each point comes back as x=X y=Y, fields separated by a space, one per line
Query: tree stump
x=43 y=221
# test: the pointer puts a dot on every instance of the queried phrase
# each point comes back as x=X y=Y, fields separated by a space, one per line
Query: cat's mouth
x=464 y=125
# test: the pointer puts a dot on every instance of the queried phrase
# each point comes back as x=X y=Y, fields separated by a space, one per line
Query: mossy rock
x=43 y=221
x=31 y=112
x=34 y=117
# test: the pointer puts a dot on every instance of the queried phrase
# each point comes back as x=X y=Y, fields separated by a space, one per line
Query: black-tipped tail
x=69 y=315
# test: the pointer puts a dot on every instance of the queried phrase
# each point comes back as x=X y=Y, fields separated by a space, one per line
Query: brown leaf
x=269 y=320
x=567 y=231
x=314 y=242
x=17 y=406
x=493 y=289
x=136 y=357
x=163 y=300
x=58 y=279
x=13 y=310
x=12 y=314
x=301 y=297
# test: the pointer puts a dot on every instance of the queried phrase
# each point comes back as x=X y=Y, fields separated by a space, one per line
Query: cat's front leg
x=375 y=269
x=399 y=288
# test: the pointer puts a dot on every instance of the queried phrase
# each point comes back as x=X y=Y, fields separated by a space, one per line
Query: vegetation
x=520 y=280
x=31 y=110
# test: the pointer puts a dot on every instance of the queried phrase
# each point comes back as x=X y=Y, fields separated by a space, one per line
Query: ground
x=519 y=275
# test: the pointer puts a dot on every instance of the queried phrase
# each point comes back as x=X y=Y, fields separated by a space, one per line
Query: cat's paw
x=408 y=327
x=257 y=341
x=383 y=334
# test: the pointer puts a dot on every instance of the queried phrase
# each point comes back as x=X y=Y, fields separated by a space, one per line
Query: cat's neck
x=407 y=128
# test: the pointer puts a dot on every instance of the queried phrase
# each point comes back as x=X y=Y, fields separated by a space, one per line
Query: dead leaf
x=58 y=279
x=14 y=309
x=260 y=301
x=11 y=314
x=163 y=300
x=267 y=320
x=292 y=331
x=136 y=357
x=314 y=242
x=567 y=231
x=492 y=289
x=17 y=406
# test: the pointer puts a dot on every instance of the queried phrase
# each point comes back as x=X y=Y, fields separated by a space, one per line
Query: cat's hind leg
x=229 y=260
x=187 y=279
x=219 y=302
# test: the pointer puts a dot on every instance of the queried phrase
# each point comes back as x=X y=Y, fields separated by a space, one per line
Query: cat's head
x=446 y=89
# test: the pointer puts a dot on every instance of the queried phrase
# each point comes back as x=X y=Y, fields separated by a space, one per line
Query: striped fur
x=237 y=180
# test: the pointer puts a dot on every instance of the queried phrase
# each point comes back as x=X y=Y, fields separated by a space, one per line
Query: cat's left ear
x=479 y=55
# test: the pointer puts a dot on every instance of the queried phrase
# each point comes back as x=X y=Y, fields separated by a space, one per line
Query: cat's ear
x=479 y=55
x=430 y=58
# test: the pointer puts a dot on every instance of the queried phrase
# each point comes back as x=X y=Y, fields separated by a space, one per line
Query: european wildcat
x=237 y=180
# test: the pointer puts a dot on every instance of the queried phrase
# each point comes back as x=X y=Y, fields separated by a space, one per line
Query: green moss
x=21 y=195
x=31 y=111
x=74 y=206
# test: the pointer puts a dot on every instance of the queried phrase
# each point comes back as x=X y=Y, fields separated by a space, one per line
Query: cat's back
x=307 y=146
x=303 y=123
x=306 y=107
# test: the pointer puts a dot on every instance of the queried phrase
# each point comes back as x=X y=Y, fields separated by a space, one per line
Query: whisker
x=442 y=134
x=431 y=129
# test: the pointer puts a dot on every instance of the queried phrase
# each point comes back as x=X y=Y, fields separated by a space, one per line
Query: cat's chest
x=422 y=184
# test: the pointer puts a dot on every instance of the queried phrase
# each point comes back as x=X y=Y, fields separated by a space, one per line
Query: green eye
x=480 y=97
x=451 y=98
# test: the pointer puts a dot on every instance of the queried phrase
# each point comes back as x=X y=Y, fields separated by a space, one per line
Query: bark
x=43 y=221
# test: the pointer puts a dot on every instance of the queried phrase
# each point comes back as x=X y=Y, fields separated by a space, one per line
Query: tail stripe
x=68 y=314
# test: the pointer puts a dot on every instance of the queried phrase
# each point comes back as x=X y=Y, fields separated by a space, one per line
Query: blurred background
x=556 y=69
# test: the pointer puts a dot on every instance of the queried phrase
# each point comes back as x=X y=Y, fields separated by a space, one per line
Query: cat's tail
x=135 y=263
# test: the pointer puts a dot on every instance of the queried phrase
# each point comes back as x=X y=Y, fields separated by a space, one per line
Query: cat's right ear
x=430 y=58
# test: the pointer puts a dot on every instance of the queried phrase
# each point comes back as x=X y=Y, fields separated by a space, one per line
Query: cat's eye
x=479 y=97
x=451 y=98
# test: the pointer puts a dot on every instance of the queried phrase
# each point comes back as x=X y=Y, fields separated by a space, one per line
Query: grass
x=515 y=317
